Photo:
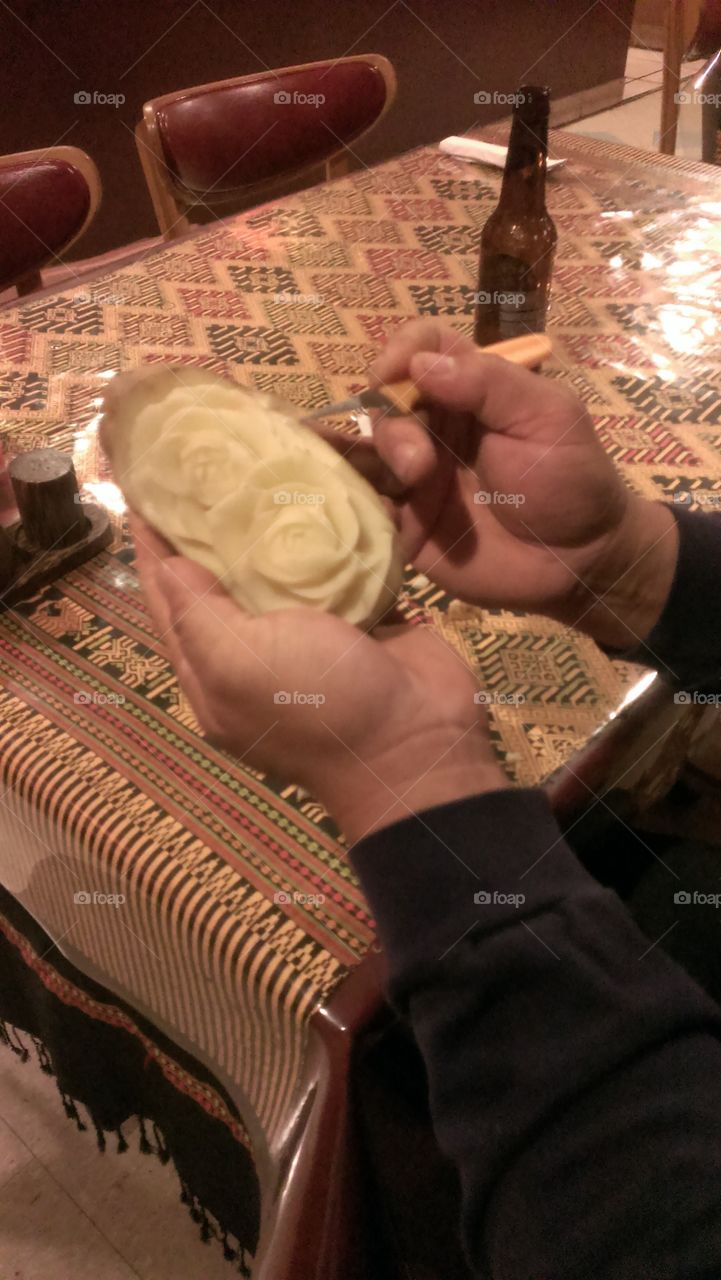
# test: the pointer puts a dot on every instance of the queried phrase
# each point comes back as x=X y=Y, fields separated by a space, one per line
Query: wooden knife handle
x=528 y=350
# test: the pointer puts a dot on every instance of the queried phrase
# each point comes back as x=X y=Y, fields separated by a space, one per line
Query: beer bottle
x=519 y=239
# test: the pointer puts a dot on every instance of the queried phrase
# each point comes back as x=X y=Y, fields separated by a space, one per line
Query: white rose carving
x=238 y=484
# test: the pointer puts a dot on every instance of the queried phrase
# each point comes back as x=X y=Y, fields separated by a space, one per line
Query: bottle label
x=513 y=297
x=520 y=313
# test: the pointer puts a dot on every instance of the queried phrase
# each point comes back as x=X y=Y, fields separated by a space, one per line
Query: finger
x=185 y=666
x=150 y=552
x=205 y=636
x=405 y=448
x=148 y=542
x=204 y=618
x=505 y=397
x=194 y=576
x=429 y=335
x=173 y=587
x=158 y=563
x=416 y=446
x=365 y=458
x=153 y=550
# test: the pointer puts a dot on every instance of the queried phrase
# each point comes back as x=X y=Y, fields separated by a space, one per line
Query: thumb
x=201 y=614
x=503 y=395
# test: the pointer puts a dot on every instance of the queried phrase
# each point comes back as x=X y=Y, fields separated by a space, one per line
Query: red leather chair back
x=221 y=138
x=708 y=36
x=46 y=201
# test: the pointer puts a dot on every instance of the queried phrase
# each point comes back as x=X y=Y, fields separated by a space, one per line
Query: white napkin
x=483 y=152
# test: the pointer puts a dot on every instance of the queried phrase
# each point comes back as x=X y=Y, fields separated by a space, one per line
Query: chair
x=48 y=198
x=691 y=25
x=708 y=82
x=238 y=140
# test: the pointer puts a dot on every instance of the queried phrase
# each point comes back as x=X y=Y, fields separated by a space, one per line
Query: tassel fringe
x=10 y=1036
x=145 y=1146
x=233 y=1250
x=71 y=1111
x=209 y=1228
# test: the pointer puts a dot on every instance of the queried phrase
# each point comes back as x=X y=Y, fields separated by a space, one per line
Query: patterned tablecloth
x=108 y=787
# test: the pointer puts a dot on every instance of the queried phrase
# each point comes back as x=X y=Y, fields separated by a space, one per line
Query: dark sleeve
x=685 y=644
x=574 y=1071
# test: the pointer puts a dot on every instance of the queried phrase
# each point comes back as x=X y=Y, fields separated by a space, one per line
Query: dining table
x=182 y=936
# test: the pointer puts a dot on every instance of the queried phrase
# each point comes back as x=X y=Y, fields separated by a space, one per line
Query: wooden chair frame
x=171 y=202
x=682 y=21
x=32 y=280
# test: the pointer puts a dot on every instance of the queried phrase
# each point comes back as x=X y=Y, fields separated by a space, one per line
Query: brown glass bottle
x=518 y=242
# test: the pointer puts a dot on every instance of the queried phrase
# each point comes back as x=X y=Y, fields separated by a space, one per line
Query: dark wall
x=444 y=51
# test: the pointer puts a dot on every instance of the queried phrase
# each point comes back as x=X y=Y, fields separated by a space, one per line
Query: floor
x=66 y=1211
x=637 y=119
x=69 y=1213
x=644 y=69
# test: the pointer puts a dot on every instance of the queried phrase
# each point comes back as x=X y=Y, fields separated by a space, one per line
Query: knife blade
x=396 y=399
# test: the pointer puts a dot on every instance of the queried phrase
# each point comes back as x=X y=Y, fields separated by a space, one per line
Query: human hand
x=510 y=499
x=397 y=730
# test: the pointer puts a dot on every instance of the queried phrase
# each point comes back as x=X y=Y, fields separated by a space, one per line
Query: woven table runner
x=240 y=914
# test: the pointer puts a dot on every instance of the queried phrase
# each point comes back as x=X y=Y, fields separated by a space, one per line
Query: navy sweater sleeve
x=574 y=1071
x=685 y=644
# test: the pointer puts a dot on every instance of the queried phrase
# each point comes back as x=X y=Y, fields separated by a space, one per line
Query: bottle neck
x=524 y=179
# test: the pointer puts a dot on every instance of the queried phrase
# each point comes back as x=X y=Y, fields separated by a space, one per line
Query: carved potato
x=234 y=480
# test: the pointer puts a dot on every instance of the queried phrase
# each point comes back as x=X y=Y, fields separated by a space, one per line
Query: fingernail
x=403 y=459
x=440 y=366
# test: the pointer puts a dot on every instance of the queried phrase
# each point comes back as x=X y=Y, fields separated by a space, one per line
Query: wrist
x=431 y=769
x=623 y=596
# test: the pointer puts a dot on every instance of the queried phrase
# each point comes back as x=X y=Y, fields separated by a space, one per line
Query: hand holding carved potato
x=234 y=481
